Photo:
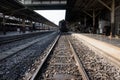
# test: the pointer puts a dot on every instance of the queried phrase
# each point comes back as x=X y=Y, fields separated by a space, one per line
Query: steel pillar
x=94 y=29
x=39 y=26
x=3 y=25
x=23 y=25
x=113 y=18
x=112 y=9
x=85 y=20
x=31 y=26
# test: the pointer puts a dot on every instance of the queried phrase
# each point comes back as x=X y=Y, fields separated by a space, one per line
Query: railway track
x=21 y=60
x=19 y=37
x=61 y=63
x=97 y=66
x=15 y=50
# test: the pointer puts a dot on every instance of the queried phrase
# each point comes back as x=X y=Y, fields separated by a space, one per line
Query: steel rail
x=34 y=77
x=79 y=64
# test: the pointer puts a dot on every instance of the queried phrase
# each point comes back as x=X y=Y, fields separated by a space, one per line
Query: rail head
x=79 y=64
x=44 y=59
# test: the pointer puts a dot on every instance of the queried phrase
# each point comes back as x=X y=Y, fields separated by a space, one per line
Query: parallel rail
x=35 y=75
x=78 y=62
x=5 y=40
x=13 y=51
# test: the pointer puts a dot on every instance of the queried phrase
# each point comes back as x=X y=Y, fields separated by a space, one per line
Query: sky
x=53 y=15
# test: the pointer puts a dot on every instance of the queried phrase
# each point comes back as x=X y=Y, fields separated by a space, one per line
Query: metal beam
x=88 y=14
x=47 y=7
x=88 y=3
x=13 y=12
x=97 y=13
x=104 y=4
x=117 y=7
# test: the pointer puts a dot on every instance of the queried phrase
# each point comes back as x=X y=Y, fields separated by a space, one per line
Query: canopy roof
x=76 y=9
x=17 y=9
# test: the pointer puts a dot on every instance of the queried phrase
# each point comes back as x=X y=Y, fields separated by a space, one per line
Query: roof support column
x=3 y=25
x=43 y=26
x=94 y=30
x=85 y=20
x=112 y=9
x=23 y=25
x=93 y=16
x=39 y=26
x=34 y=26
x=113 y=18
x=19 y=24
x=31 y=26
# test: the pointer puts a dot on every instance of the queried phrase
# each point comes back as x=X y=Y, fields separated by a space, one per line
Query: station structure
x=84 y=46
x=95 y=14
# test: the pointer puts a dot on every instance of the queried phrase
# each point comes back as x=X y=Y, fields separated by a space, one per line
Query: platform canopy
x=18 y=10
x=76 y=9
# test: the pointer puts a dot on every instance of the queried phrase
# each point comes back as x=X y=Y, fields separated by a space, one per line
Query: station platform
x=14 y=33
x=11 y=36
x=103 y=38
x=110 y=48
